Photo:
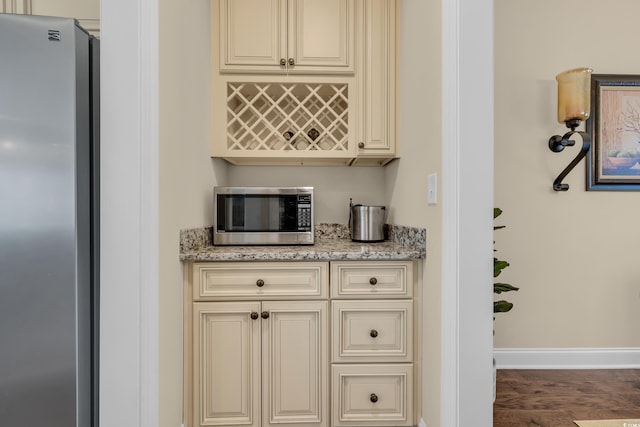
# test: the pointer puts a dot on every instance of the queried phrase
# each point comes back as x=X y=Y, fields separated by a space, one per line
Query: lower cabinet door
x=226 y=364
x=295 y=363
x=260 y=364
x=372 y=395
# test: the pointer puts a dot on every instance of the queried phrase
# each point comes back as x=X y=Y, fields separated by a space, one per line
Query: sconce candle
x=574 y=94
x=574 y=98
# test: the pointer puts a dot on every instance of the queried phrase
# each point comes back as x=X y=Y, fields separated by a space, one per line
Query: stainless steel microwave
x=263 y=216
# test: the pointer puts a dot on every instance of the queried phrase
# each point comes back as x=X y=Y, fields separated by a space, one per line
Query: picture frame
x=613 y=163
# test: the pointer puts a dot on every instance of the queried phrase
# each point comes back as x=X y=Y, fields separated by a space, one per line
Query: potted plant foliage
x=500 y=306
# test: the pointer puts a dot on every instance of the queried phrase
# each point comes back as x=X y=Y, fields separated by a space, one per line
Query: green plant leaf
x=496 y=212
x=499 y=288
x=502 y=306
x=498 y=227
x=498 y=266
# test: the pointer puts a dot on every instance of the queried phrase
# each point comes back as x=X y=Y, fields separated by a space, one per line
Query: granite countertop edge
x=332 y=243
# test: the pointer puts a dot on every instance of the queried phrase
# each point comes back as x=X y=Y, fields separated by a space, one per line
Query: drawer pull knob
x=373 y=333
x=283 y=62
x=265 y=314
x=292 y=62
x=254 y=315
x=259 y=283
x=373 y=281
x=373 y=398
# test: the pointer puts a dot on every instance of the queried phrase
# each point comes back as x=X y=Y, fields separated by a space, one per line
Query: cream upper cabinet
x=287 y=36
x=87 y=12
x=377 y=78
x=336 y=103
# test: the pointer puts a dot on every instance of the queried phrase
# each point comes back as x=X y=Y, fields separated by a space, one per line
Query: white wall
x=573 y=254
x=187 y=175
x=333 y=186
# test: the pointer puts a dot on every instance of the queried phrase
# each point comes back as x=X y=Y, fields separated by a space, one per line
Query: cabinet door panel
x=252 y=33
x=378 y=77
x=226 y=364
x=321 y=35
x=295 y=364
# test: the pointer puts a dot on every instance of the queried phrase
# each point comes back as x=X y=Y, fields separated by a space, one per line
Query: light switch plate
x=432 y=189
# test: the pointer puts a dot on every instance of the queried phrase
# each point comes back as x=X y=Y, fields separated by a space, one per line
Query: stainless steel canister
x=366 y=222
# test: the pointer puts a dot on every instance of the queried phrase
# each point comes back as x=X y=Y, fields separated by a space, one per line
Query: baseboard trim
x=567 y=358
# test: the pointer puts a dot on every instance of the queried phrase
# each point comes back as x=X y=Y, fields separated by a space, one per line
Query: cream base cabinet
x=256 y=358
x=260 y=364
x=373 y=350
x=302 y=344
x=286 y=36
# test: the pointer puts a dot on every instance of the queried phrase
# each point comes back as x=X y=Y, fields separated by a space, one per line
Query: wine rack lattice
x=287 y=117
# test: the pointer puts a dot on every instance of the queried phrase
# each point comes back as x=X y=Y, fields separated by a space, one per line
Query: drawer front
x=372 y=331
x=372 y=279
x=263 y=280
x=372 y=395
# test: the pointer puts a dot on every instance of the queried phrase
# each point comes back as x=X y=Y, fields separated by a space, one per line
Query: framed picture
x=614 y=127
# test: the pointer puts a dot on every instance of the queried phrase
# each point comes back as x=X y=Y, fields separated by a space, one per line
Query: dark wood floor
x=554 y=398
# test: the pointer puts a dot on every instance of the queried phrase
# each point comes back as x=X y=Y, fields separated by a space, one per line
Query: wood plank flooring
x=554 y=398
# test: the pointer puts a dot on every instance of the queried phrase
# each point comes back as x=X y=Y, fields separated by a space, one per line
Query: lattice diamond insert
x=287 y=116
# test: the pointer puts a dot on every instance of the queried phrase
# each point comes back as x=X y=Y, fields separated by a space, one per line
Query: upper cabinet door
x=253 y=35
x=321 y=36
x=287 y=36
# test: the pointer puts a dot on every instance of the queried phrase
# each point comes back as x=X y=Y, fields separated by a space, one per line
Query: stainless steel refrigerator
x=49 y=222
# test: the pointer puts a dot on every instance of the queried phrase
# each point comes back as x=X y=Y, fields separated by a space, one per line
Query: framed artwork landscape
x=614 y=127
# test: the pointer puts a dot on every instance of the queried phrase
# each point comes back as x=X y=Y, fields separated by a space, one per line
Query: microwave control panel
x=304 y=212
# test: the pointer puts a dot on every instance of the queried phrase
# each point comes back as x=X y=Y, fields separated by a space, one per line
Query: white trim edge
x=567 y=358
x=450 y=194
x=422 y=423
x=148 y=56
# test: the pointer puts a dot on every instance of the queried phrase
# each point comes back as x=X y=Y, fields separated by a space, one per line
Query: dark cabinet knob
x=292 y=62
x=254 y=315
x=360 y=144
x=265 y=314
x=283 y=62
x=373 y=281
x=373 y=398
x=259 y=283
x=373 y=333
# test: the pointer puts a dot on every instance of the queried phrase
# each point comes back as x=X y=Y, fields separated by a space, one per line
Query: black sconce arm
x=557 y=144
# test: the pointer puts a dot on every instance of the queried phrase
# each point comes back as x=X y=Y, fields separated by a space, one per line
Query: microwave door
x=261 y=213
x=233 y=213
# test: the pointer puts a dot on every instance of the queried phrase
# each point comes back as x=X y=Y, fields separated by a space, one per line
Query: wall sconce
x=574 y=100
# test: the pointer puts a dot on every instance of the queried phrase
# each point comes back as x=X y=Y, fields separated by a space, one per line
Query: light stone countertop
x=331 y=244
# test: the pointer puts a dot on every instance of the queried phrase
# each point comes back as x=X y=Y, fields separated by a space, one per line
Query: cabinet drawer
x=263 y=280
x=372 y=279
x=372 y=395
x=372 y=331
